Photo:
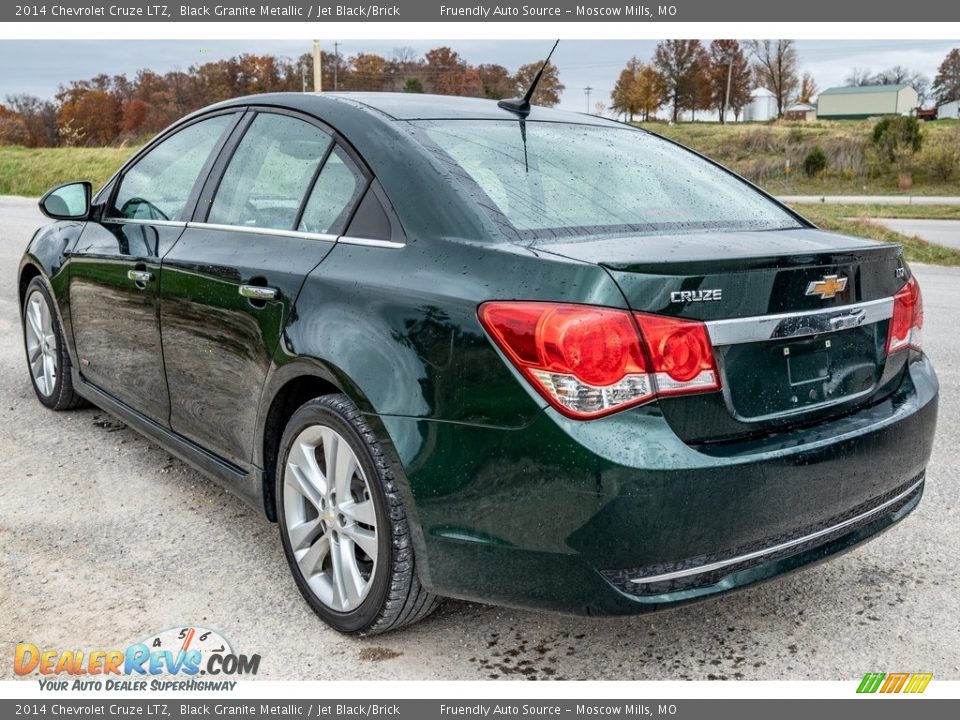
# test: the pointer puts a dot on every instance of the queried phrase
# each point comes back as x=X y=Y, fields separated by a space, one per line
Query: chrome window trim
x=141 y=221
x=367 y=242
x=799 y=324
x=720 y=564
x=263 y=231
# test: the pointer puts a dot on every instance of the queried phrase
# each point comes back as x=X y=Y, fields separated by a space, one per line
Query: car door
x=115 y=266
x=270 y=212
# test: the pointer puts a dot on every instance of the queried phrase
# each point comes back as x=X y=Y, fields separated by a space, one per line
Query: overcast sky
x=38 y=67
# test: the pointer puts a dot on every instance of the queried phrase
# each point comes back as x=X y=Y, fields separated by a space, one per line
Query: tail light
x=590 y=361
x=907 y=320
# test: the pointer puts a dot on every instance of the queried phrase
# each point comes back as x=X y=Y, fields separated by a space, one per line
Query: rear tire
x=47 y=359
x=342 y=523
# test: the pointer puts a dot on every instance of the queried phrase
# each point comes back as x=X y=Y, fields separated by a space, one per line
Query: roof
x=801 y=107
x=420 y=106
x=761 y=92
x=864 y=89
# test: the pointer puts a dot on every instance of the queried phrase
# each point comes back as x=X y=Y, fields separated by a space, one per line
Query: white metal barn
x=866 y=101
x=762 y=106
x=949 y=110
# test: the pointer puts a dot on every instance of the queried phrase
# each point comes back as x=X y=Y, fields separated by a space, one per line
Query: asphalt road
x=870 y=199
x=942 y=232
x=107 y=538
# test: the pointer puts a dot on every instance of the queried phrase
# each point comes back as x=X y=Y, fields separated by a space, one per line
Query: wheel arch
x=287 y=388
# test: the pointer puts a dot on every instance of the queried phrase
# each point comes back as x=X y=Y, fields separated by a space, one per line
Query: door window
x=334 y=195
x=158 y=186
x=270 y=173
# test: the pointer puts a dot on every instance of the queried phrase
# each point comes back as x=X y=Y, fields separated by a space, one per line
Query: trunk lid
x=798 y=319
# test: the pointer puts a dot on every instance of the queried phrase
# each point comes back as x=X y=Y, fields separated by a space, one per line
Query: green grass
x=32 y=171
x=833 y=218
x=874 y=210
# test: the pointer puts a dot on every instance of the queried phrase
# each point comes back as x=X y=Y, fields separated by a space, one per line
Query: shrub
x=898 y=138
x=940 y=161
x=815 y=161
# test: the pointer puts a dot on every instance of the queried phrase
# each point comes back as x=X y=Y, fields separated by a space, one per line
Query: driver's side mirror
x=67 y=202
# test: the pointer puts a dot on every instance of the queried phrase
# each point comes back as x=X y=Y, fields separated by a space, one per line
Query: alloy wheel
x=330 y=518
x=42 y=346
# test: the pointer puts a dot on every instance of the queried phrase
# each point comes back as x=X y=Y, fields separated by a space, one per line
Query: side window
x=158 y=186
x=269 y=173
x=334 y=195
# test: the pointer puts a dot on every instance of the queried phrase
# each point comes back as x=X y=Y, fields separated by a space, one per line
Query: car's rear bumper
x=619 y=516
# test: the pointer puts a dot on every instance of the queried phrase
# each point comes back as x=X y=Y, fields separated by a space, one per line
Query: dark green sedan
x=539 y=359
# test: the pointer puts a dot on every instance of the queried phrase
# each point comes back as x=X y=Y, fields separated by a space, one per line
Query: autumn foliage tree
x=639 y=91
x=549 y=88
x=682 y=64
x=946 y=85
x=729 y=77
x=106 y=109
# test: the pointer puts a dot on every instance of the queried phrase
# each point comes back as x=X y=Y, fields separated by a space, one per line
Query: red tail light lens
x=681 y=354
x=907 y=321
x=589 y=361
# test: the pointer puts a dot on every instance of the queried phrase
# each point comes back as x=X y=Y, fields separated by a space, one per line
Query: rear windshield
x=544 y=179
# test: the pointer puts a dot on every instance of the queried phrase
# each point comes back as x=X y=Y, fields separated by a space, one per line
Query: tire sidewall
x=38 y=285
x=324 y=412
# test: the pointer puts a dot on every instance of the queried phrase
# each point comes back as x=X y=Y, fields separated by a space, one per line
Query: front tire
x=342 y=523
x=47 y=357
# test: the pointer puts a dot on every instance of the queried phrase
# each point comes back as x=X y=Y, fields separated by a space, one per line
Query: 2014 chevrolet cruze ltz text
x=483 y=351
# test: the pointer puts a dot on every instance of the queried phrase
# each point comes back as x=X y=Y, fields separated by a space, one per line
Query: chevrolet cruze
x=513 y=355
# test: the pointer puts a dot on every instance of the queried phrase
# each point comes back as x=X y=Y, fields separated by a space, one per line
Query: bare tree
x=859 y=77
x=808 y=89
x=899 y=75
x=775 y=68
x=682 y=64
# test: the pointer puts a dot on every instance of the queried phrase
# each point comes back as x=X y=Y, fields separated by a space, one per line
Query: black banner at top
x=477 y=11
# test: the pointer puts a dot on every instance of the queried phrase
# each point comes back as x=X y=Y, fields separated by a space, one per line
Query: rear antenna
x=521 y=106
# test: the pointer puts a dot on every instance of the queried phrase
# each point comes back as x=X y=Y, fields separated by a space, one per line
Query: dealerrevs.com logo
x=173 y=659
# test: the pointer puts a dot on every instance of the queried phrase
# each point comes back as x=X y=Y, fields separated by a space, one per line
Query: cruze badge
x=688 y=296
x=828 y=287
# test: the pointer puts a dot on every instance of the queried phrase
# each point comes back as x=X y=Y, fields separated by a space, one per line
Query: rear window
x=546 y=179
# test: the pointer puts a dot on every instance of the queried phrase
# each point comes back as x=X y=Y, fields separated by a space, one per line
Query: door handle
x=258 y=292
x=140 y=276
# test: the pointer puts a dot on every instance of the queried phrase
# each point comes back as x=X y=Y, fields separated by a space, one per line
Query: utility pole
x=588 y=90
x=726 y=97
x=317 y=74
x=336 y=63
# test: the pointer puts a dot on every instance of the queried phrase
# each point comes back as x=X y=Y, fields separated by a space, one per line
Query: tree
x=413 y=85
x=775 y=68
x=900 y=75
x=808 y=89
x=497 y=82
x=369 y=71
x=728 y=70
x=625 y=99
x=449 y=74
x=39 y=118
x=548 y=90
x=682 y=65
x=88 y=114
x=946 y=85
x=858 y=77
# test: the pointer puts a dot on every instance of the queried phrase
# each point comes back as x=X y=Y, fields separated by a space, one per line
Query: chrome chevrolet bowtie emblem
x=828 y=287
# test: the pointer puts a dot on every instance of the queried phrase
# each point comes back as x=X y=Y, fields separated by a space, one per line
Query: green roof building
x=866 y=101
